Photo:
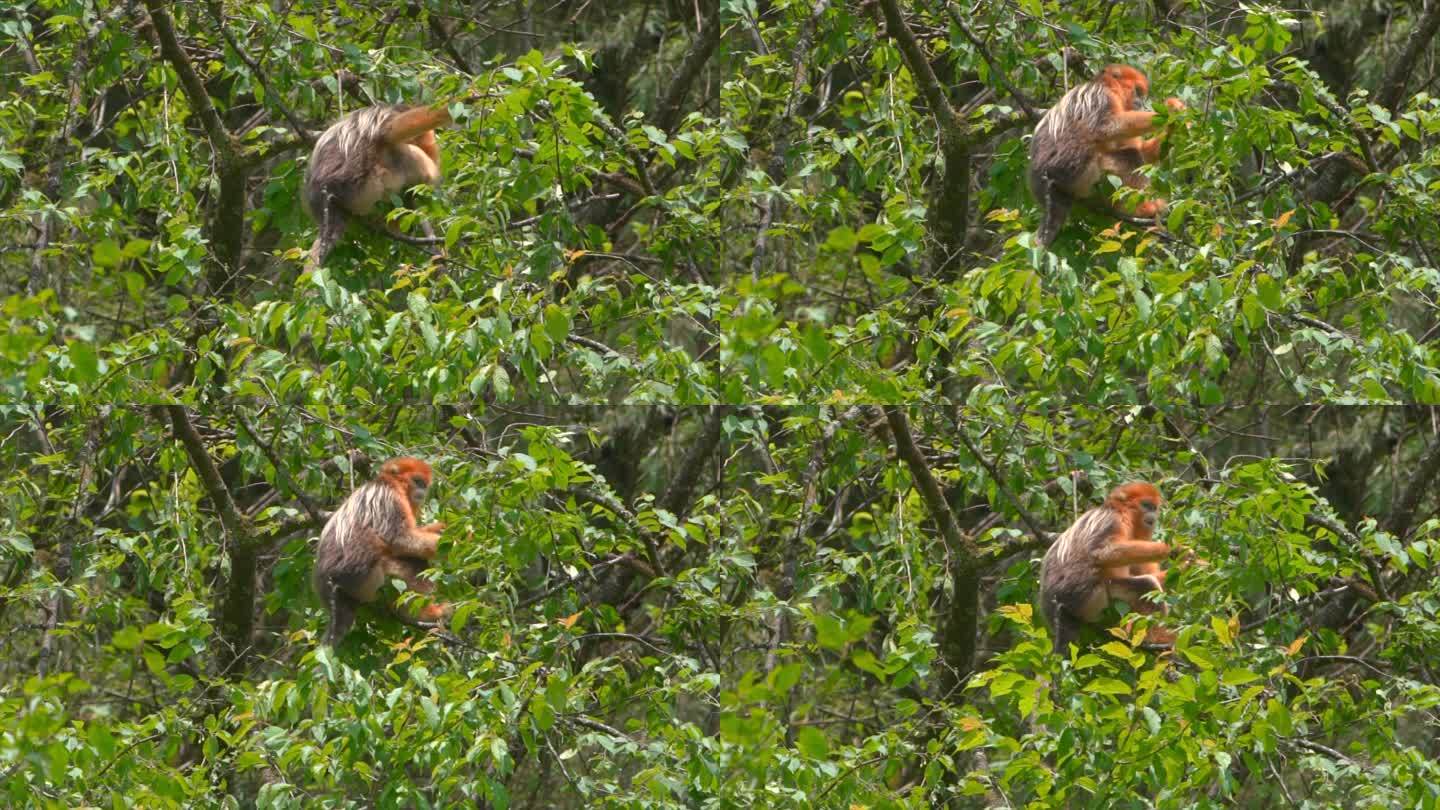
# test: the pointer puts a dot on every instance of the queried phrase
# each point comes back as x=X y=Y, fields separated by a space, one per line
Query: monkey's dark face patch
x=1149 y=512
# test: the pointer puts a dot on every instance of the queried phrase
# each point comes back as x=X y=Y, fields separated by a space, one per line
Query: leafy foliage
x=753 y=405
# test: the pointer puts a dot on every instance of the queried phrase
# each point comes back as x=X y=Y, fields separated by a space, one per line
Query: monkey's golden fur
x=374 y=535
x=1106 y=554
x=365 y=157
x=1094 y=129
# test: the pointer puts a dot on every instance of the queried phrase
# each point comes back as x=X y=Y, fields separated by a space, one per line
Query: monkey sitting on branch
x=1093 y=130
x=1107 y=554
x=374 y=535
x=363 y=158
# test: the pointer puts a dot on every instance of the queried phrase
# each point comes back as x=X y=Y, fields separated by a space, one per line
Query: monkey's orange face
x=411 y=475
x=1129 y=85
x=419 y=485
x=1149 y=512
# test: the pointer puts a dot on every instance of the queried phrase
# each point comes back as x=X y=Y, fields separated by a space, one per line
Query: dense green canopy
x=752 y=400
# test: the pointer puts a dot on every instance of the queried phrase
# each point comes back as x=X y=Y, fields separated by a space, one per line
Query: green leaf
x=812 y=742
x=1107 y=686
x=126 y=638
x=85 y=361
x=1236 y=676
x=106 y=253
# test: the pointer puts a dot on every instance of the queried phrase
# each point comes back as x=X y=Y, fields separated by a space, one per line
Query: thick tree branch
x=930 y=492
x=948 y=216
x=237 y=599
x=1352 y=541
x=667 y=114
x=1040 y=535
x=677 y=498
x=1392 y=87
x=962 y=615
x=919 y=66
x=217 y=13
x=1421 y=484
x=220 y=138
x=996 y=72
x=227 y=217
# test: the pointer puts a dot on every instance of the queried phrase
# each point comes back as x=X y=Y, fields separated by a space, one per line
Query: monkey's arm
x=1126 y=124
x=411 y=124
x=1128 y=552
x=415 y=543
x=1150 y=150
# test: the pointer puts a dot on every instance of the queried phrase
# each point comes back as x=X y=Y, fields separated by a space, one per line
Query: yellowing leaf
x=1284 y=219
x=1294 y=646
x=1020 y=613
x=1222 y=630
x=569 y=621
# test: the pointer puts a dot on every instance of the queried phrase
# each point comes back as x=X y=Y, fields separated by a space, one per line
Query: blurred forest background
x=752 y=403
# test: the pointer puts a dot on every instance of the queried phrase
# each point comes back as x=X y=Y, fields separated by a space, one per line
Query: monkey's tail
x=1055 y=205
x=342 y=617
x=340 y=607
x=332 y=226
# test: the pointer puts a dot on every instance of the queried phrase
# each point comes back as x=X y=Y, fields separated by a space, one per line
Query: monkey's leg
x=1125 y=162
x=408 y=570
x=1134 y=590
x=1150 y=150
x=1151 y=207
x=1160 y=638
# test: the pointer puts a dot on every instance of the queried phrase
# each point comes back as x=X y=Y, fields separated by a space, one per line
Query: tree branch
x=1421 y=484
x=220 y=137
x=706 y=40
x=1040 y=535
x=948 y=215
x=957 y=635
x=237 y=599
x=919 y=66
x=1392 y=87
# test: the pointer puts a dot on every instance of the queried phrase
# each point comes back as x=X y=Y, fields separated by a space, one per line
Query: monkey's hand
x=436 y=527
x=1175 y=104
x=1186 y=557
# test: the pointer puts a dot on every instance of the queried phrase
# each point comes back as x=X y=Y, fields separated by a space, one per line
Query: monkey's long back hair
x=1062 y=154
x=347 y=550
x=344 y=155
x=358 y=151
x=1068 y=571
